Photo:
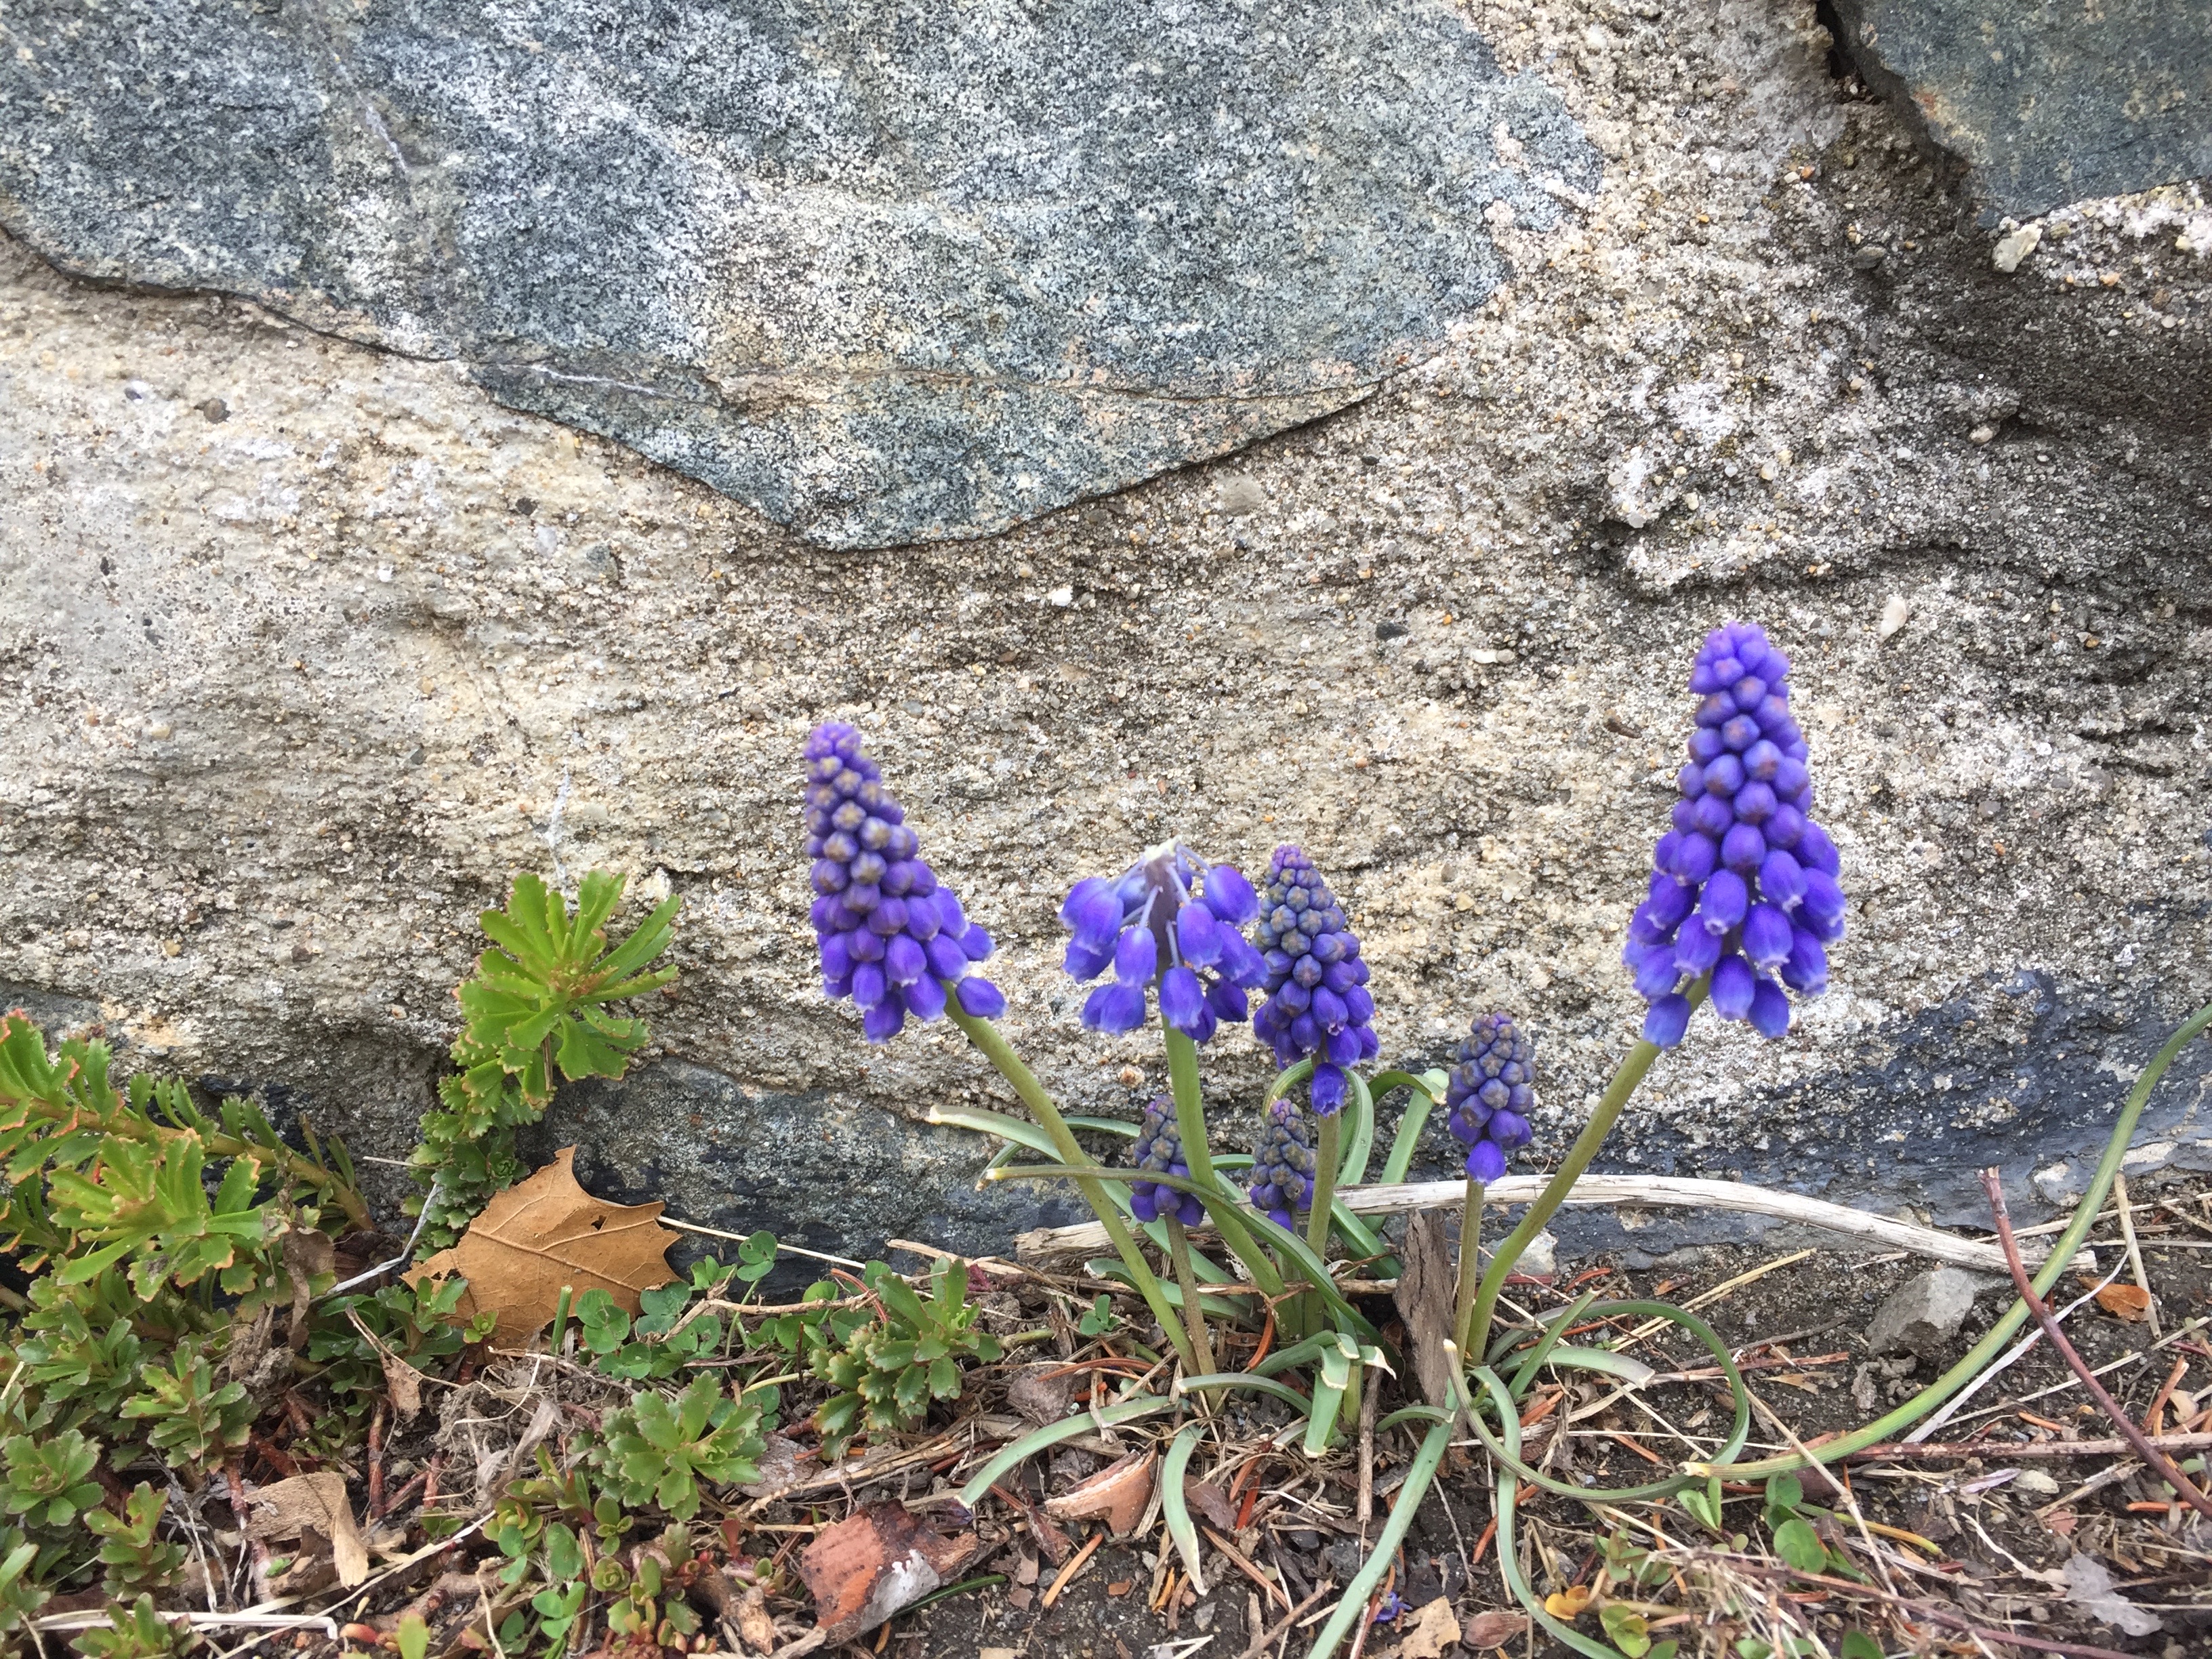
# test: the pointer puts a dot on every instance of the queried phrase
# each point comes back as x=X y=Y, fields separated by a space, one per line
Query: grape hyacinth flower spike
x=1283 y=1166
x=1491 y=1091
x=1318 y=1006
x=1159 y=1149
x=1170 y=922
x=892 y=936
x=1745 y=889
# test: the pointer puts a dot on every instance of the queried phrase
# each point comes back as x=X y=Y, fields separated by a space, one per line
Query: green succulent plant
x=538 y=1009
x=887 y=1369
x=132 y=1558
x=191 y=1421
x=49 y=1479
x=660 y=1450
x=136 y=1630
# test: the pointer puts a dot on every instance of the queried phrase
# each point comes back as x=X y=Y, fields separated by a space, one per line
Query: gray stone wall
x=306 y=646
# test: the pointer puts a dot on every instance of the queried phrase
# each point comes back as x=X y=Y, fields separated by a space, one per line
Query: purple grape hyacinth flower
x=1171 y=922
x=1283 y=1166
x=1159 y=1149
x=1318 y=1003
x=1745 y=889
x=1492 y=1091
x=892 y=937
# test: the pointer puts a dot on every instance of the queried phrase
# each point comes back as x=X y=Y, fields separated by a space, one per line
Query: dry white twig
x=1672 y=1192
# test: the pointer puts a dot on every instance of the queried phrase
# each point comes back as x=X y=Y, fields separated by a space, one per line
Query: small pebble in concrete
x=1894 y=616
x=1922 y=1314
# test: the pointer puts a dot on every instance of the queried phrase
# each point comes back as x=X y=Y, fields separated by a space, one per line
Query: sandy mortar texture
x=306 y=649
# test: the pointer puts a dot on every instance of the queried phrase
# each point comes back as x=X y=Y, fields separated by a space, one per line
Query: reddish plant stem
x=2158 y=1461
x=376 y=1460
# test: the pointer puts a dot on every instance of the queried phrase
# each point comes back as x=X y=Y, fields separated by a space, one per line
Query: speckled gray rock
x=887 y=272
x=1923 y=1314
x=287 y=697
x=2048 y=101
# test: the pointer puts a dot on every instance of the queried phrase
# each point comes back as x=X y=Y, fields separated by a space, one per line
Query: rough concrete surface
x=305 y=647
x=886 y=272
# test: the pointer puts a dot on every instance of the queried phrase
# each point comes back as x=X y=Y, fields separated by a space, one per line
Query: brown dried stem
x=2158 y=1461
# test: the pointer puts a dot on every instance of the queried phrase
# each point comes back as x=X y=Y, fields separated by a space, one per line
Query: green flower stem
x=1977 y=1357
x=993 y=1047
x=1194 y=1314
x=1562 y=1182
x=1190 y=1125
x=1470 y=1261
x=1190 y=1103
x=1324 y=1194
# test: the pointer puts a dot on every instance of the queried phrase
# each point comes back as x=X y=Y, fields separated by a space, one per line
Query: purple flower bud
x=883 y=1021
x=1691 y=781
x=1732 y=988
x=1115 y=1008
x=827 y=876
x=1724 y=776
x=1706 y=744
x=1726 y=900
x=1696 y=858
x=888 y=917
x=1198 y=936
x=863 y=945
x=976 y=943
x=1712 y=816
x=1770 y=1010
x=1667 y=1020
x=1755 y=803
x=1229 y=895
x=925 y=998
x=868 y=984
x=1093 y=912
x=980 y=999
x=1790 y=778
x=1669 y=901
x=1329 y=1009
x=1781 y=879
x=1136 y=956
x=1816 y=851
x=1739 y=732
x=1657 y=973
x=1509 y=1130
x=1326 y=1091
x=1644 y=928
x=922 y=920
x=1824 y=902
x=946 y=959
x=950 y=916
x=1766 y=935
x=1697 y=950
x=1240 y=962
x=903 y=963
x=1742 y=848
x=1082 y=963
x=1760 y=759
x=1182 y=1000
x=1484 y=1161
x=1806 y=972
x=1228 y=1000
x=836 y=956
x=1785 y=827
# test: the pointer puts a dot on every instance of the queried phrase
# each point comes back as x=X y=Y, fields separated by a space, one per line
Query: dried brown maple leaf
x=312 y=1502
x=546 y=1232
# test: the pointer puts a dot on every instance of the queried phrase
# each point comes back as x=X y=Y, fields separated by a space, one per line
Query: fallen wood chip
x=1117 y=1494
x=861 y=1571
